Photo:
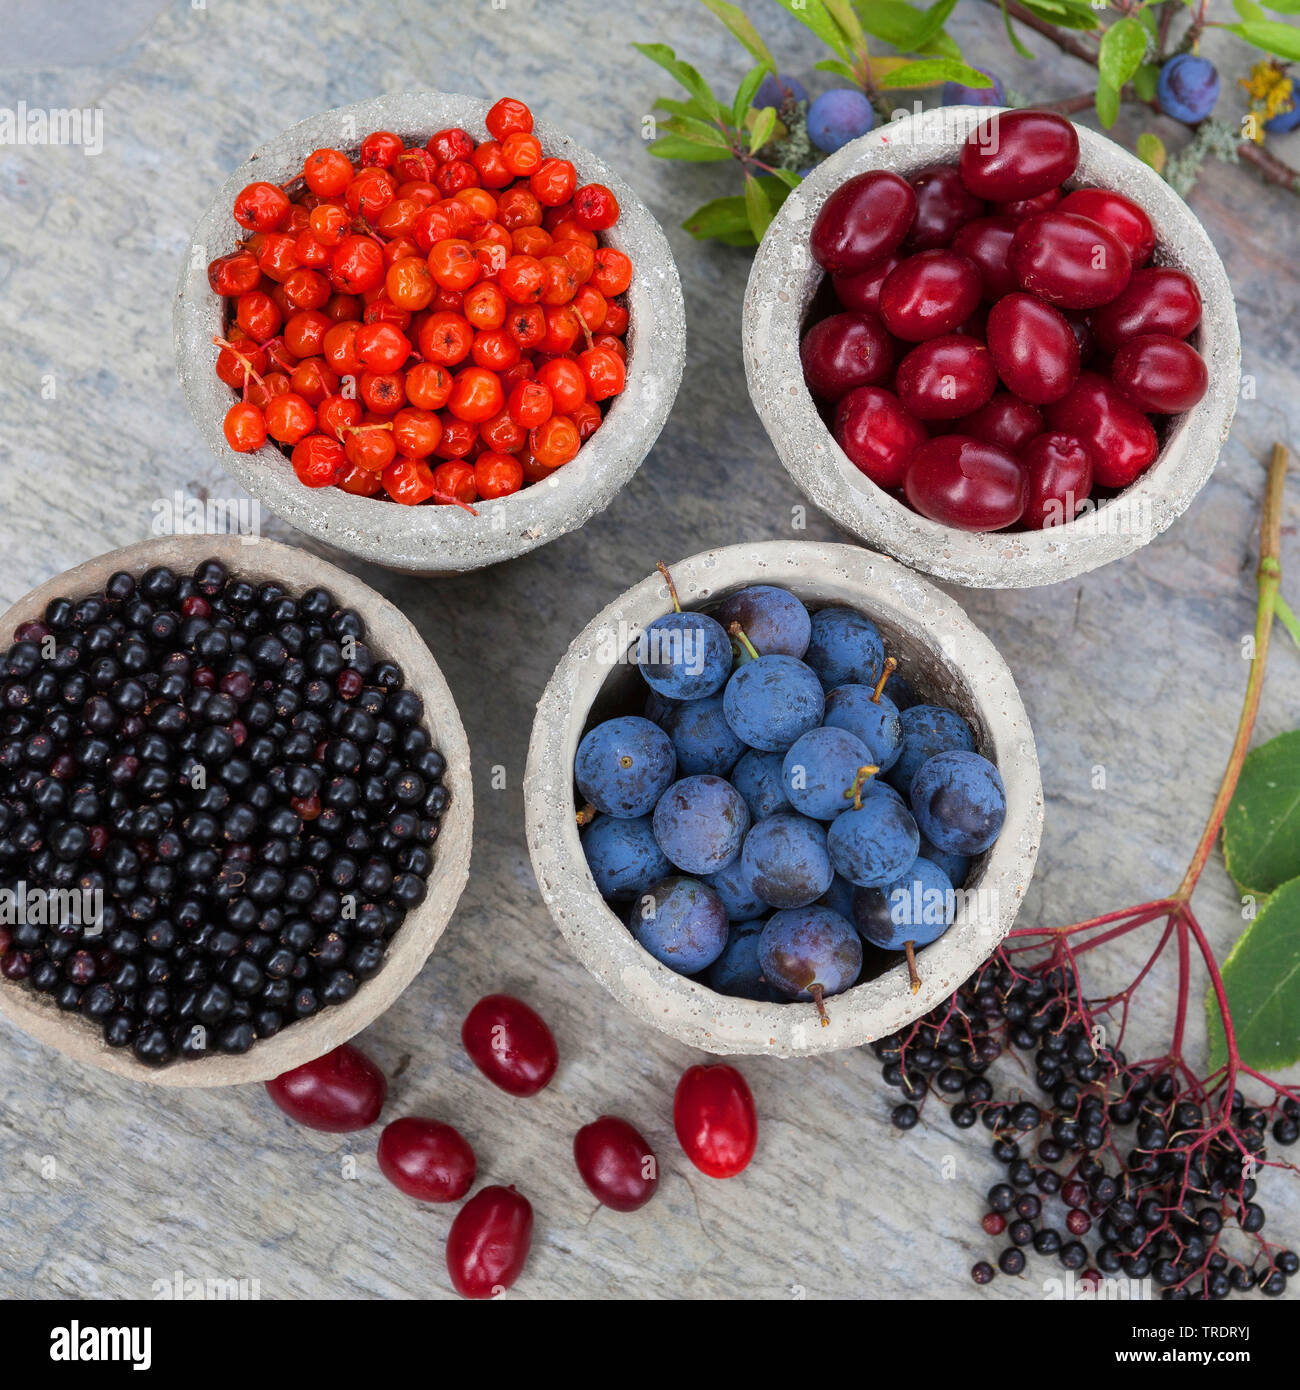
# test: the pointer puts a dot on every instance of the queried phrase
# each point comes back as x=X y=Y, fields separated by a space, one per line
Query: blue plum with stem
x=757 y=777
x=735 y=887
x=870 y=716
x=737 y=971
x=838 y=116
x=845 y=648
x=623 y=855
x=820 y=770
x=701 y=737
x=914 y=910
x=700 y=824
x=771 y=701
x=874 y=842
x=681 y=922
x=624 y=766
x=773 y=619
x=810 y=953
x=787 y=860
x=927 y=730
x=959 y=802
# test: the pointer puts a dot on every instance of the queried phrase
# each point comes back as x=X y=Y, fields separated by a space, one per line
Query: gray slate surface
x=109 y=1187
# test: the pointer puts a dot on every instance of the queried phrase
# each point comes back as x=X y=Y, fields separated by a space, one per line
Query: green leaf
x=843 y=13
x=1284 y=6
x=749 y=84
x=1248 y=9
x=1282 y=40
x=1261 y=978
x=722 y=217
x=764 y=125
x=679 y=147
x=1145 y=79
x=1011 y=33
x=683 y=73
x=1107 y=102
x=1261 y=832
x=698 y=132
x=1064 y=16
x=1123 y=46
x=929 y=70
x=788 y=177
x=834 y=65
x=758 y=206
x=932 y=26
x=1151 y=151
x=693 y=109
x=742 y=28
x=814 y=15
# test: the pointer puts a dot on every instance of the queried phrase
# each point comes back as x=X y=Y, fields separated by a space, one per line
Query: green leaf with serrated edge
x=741 y=28
x=1011 y=33
x=1144 y=81
x=1261 y=978
x=1107 y=103
x=928 y=70
x=749 y=84
x=764 y=125
x=834 y=65
x=1261 y=831
x=1282 y=40
x=683 y=73
x=678 y=147
x=1123 y=46
x=812 y=14
x=1151 y=151
x=722 y=217
x=701 y=132
x=759 y=207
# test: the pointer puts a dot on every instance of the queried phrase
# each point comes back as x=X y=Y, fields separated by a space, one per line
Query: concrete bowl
x=390 y=634
x=945 y=657
x=785 y=278
x=440 y=539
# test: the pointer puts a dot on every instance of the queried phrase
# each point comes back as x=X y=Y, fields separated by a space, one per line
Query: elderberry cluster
x=239 y=782
x=1156 y=1205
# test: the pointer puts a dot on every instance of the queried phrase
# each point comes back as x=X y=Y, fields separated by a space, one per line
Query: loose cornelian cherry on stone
x=488 y=1243
x=616 y=1163
x=338 y=1093
x=244 y=427
x=510 y=1044
x=713 y=1114
x=426 y=1159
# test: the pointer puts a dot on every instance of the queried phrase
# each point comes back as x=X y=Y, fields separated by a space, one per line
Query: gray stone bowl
x=430 y=539
x=391 y=634
x=939 y=650
x=784 y=279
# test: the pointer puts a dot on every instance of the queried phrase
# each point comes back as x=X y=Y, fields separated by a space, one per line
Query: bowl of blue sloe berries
x=782 y=798
x=235 y=809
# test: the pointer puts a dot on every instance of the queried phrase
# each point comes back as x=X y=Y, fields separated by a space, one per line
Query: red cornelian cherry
x=338 y=1093
x=426 y=1159
x=861 y=292
x=878 y=434
x=1071 y=261
x=1021 y=208
x=1117 y=436
x=616 y=1163
x=967 y=484
x=946 y=377
x=1006 y=421
x=986 y=242
x=1159 y=374
x=1156 y=300
x=943 y=205
x=862 y=222
x=1120 y=214
x=929 y=294
x=1059 y=471
x=1018 y=154
x=1034 y=348
x=715 y=1120
x=845 y=351
x=510 y=1044
x=488 y=1244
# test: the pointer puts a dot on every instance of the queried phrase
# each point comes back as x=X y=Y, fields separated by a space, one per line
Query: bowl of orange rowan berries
x=429 y=330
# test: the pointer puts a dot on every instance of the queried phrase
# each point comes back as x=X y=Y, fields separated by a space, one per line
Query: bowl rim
x=302 y=1041
x=689 y=1011
x=440 y=539
x=784 y=277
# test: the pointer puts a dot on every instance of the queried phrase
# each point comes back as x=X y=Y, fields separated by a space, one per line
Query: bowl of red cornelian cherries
x=440 y=321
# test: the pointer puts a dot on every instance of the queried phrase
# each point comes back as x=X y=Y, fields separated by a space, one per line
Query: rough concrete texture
x=785 y=278
x=433 y=539
x=390 y=635
x=945 y=657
